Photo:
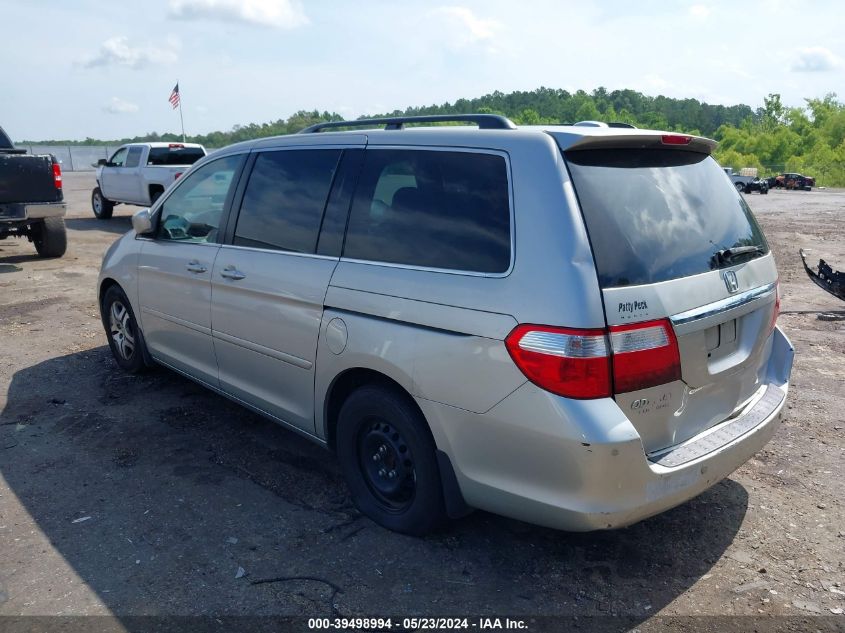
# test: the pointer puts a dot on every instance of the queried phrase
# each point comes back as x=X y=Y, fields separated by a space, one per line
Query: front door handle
x=230 y=272
x=196 y=267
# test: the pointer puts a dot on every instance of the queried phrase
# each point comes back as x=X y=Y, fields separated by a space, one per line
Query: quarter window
x=432 y=209
x=284 y=200
x=192 y=212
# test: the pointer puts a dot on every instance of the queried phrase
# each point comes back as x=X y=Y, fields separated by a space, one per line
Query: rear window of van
x=659 y=214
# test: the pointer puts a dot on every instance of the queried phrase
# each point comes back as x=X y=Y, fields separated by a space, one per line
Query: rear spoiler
x=613 y=138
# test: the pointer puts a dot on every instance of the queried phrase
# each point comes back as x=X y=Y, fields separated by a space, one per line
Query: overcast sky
x=106 y=69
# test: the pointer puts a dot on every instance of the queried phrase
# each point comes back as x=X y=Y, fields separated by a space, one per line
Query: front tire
x=125 y=339
x=50 y=237
x=387 y=456
x=740 y=187
x=102 y=207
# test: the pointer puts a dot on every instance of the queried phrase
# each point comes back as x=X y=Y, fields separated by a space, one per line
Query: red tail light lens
x=567 y=362
x=57 y=175
x=675 y=139
x=596 y=363
x=644 y=355
x=176 y=177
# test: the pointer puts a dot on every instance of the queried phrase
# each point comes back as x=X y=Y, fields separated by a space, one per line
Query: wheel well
x=344 y=385
x=154 y=189
x=351 y=380
x=107 y=283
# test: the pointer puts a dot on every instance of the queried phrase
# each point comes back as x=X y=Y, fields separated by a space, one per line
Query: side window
x=192 y=212
x=284 y=199
x=133 y=158
x=432 y=209
x=118 y=158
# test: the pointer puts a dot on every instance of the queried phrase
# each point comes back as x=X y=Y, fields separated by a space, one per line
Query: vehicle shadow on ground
x=117 y=224
x=164 y=498
x=7 y=262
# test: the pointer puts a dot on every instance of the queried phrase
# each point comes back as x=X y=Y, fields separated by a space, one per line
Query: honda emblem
x=730 y=281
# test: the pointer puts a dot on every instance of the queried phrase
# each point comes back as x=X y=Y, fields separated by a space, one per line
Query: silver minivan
x=571 y=325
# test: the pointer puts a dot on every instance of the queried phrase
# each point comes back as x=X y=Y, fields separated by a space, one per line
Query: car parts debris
x=825 y=277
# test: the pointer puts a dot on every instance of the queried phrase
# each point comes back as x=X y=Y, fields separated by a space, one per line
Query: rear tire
x=387 y=456
x=740 y=187
x=155 y=195
x=50 y=237
x=102 y=207
x=125 y=339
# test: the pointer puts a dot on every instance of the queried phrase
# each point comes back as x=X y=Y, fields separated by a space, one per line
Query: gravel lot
x=146 y=495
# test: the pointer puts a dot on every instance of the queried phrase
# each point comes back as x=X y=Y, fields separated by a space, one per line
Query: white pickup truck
x=138 y=173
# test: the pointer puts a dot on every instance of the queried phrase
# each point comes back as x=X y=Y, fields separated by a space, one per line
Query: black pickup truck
x=31 y=200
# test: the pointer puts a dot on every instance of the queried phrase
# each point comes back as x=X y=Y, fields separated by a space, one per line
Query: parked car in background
x=746 y=180
x=31 y=199
x=794 y=181
x=569 y=325
x=138 y=173
x=760 y=185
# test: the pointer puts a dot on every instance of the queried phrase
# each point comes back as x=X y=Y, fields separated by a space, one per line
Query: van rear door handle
x=230 y=272
x=195 y=267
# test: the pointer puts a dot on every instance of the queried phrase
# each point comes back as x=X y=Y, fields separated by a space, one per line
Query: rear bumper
x=46 y=210
x=580 y=465
x=21 y=212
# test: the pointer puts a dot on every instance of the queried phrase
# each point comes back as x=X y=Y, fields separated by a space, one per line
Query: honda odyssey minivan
x=571 y=325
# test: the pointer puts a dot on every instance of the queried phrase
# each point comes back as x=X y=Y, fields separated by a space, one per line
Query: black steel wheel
x=387 y=455
x=387 y=464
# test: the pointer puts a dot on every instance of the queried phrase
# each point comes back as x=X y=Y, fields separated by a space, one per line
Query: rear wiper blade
x=727 y=254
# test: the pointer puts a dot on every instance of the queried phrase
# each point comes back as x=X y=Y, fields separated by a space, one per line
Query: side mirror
x=142 y=222
x=102 y=162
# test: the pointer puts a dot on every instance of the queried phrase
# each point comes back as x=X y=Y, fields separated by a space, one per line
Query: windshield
x=659 y=214
x=175 y=155
x=5 y=142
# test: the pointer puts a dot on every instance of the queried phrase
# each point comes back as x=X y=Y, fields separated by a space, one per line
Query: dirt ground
x=150 y=495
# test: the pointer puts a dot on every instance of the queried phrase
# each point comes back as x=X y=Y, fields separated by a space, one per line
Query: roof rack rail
x=484 y=122
x=617 y=124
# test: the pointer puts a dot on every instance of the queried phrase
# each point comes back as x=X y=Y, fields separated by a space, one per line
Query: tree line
x=773 y=138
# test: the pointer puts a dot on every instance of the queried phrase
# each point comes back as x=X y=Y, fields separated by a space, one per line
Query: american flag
x=174 y=96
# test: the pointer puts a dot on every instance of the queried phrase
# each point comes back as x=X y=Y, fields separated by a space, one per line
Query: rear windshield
x=659 y=214
x=174 y=155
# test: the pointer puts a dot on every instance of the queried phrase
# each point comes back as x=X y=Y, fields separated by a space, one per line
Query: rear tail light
x=675 y=139
x=176 y=177
x=57 y=175
x=776 y=311
x=596 y=363
x=644 y=355
x=571 y=363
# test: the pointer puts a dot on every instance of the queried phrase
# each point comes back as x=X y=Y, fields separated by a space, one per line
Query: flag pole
x=181 y=120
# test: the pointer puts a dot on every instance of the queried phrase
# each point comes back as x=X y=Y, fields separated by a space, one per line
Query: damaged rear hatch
x=678 y=250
